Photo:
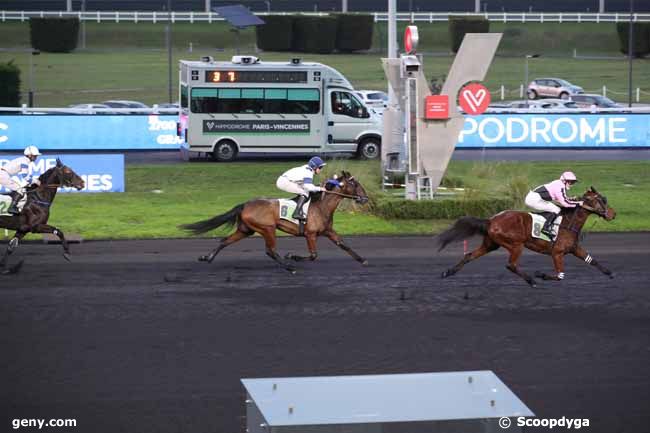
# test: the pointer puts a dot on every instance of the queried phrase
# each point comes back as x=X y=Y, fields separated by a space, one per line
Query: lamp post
x=528 y=56
x=169 y=48
x=30 y=95
x=630 y=48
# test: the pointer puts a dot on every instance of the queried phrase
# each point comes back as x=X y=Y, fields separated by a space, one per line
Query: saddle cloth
x=5 y=202
x=538 y=222
x=287 y=206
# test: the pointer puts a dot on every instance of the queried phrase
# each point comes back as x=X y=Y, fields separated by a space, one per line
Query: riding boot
x=548 y=225
x=297 y=214
x=15 y=198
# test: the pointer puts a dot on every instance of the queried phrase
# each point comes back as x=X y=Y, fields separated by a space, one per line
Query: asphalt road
x=137 y=336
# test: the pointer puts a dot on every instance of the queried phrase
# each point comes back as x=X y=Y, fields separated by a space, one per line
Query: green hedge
x=354 y=32
x=276 y=34
x=440 y=209
x=641 y=43
x=458 y=26
x=54 y=35
x=9 y=85
x=314 y=34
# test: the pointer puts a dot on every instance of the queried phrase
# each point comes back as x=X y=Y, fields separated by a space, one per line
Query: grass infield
x=160 y=197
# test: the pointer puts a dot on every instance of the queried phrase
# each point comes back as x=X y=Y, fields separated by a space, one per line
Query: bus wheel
x=369 y=149
x=225 y=151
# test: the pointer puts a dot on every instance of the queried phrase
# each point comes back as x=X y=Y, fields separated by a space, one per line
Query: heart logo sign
x=474 y=98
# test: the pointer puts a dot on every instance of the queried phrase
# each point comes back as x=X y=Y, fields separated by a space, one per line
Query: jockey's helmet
x=568 y=176
x=31 y=151
x=316 y=162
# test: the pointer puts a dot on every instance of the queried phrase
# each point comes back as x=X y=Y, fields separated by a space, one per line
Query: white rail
x=209 y=17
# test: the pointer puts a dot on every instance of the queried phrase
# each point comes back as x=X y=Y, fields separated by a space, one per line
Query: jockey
x=18 y=167
x=544 y=197
x=300 y=180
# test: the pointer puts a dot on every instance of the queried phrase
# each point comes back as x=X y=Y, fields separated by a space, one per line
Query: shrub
x=441 y=209
x=9 y=85
x=276 y=34
x=641 y=42
x=459 y=26
x=314 y=34
x=354 y=32
x=54 y=35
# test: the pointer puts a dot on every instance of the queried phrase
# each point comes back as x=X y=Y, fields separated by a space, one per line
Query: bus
x=249 y=106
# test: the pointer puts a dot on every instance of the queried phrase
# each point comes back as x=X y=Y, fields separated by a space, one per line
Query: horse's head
x=350 y=186
x=65 y=176
x=597 y=203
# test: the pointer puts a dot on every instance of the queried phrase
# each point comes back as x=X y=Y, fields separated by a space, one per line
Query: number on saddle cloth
x=539 y=219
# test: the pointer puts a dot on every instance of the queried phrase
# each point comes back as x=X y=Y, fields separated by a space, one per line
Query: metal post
x=83 y=25
x=526 y=81
x=30 y=99
x=68 y=5
x=630 y=48
x=169 y=49
x=208 y=5
x=344 y=6
x=477 y=6
x=268 y=6
x=601 y=7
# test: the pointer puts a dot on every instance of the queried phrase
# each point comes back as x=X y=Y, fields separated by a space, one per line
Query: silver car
x=552 y=88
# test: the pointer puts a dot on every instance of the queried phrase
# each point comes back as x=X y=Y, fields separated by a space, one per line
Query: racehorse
x=263 y=216
x=512 y=231
x=33 y=218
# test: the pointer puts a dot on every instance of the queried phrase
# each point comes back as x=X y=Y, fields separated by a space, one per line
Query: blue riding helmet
x=316 y=162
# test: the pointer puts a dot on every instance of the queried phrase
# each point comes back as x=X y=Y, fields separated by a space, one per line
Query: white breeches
x=286 y=185
x=536 y=201
x=8 y=182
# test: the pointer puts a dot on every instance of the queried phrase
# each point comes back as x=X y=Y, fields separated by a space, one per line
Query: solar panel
x=238 y=16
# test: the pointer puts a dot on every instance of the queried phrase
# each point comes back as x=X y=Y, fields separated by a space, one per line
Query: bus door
x=347 y=117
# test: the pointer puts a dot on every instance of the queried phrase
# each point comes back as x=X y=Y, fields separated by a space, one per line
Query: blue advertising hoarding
x=89 y=132
x=100 y=172
x=142 y=132
x=556 y=130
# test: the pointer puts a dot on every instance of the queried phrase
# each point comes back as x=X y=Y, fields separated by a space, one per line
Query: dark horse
x=263 y=216
x=36 y=211
x=512 y=231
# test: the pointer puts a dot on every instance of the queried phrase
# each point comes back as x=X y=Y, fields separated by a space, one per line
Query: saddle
x=539 y=219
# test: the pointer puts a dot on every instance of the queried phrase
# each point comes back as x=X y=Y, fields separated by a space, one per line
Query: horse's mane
x=43 y=177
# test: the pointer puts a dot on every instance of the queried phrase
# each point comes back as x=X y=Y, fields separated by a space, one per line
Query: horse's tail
x=231 y=217
x=463 y=228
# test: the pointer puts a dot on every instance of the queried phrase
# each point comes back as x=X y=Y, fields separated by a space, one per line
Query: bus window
x=255 y=101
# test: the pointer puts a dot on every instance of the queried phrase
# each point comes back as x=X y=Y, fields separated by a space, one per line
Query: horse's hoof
x=13 y=269
x=67 y=256
x=203 y=258
x=445 y=274
x=611 y=276
x=288 y=256
x=364 y=263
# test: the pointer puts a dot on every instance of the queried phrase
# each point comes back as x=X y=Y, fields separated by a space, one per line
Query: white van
x=249 y=106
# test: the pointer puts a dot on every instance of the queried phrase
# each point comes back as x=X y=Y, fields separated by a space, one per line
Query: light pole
x=30 y=95
x=268 y=6
x=630 y=48
x=169 y=48
x=528 y=56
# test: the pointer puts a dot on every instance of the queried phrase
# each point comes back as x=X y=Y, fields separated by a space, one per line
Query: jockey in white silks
x=300 y=180
x=545 y=197
x=18 y=167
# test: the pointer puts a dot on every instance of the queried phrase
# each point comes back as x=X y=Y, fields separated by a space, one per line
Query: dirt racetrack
x=137 y=336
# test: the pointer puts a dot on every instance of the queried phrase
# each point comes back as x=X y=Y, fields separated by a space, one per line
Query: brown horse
x=512 y=231
x=263 y=216
x=36 y=211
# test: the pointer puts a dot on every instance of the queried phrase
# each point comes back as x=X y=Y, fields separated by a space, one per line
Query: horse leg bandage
x=588 y=259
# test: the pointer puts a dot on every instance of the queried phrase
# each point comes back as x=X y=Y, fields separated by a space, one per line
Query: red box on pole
x=437 y=107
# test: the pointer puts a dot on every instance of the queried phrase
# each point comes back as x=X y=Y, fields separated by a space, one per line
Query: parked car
x=544 y=104
x=552 y=88
x=588 y=100
x=91 y=108
x=125 y=104
x=374 y=99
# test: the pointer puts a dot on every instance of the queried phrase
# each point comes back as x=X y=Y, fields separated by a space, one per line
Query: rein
x=342 y=195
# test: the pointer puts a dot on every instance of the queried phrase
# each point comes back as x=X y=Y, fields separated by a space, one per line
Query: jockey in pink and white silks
x=300 y=180
x=18 y=167
x=545 y=197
